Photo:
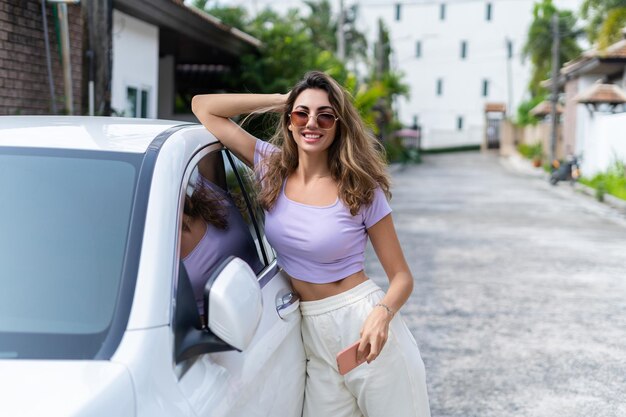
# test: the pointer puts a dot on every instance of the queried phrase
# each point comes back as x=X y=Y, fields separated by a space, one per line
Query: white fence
x=440 y=138
x=603 y=142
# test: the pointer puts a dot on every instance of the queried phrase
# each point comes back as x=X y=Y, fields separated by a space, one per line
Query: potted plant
x=536 y=154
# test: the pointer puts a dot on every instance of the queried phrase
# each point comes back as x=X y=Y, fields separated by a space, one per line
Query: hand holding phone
x=346 y=359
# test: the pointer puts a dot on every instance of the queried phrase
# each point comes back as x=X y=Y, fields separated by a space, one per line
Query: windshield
x=64 y=222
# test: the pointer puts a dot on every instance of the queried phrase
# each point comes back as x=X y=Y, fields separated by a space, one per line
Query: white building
x=457 y=56
x=135 y=74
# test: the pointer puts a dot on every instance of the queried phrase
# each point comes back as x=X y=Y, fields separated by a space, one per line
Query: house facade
x=458 y=57
x=25 y=87
x=137 y=58
x=594 y=116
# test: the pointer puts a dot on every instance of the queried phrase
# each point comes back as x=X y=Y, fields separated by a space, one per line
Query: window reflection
x=215 y=224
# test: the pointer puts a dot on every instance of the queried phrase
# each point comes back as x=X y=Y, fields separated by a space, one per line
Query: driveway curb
x=522 y=166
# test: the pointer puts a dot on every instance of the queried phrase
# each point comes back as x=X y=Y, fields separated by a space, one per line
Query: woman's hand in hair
x=215 y=110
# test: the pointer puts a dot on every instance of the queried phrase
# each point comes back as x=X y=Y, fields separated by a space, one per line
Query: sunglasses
x=324 y=121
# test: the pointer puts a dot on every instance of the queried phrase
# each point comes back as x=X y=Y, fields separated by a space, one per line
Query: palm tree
x=538 y=45
x=322 y=22
x=606 y=18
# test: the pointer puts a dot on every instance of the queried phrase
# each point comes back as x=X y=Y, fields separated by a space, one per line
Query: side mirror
x=233 y=303
x=233 y=306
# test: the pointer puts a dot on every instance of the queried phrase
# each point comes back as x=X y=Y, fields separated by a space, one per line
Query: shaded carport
x=196 y=50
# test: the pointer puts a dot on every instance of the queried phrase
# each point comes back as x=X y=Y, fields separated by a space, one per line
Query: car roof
x=118 y=134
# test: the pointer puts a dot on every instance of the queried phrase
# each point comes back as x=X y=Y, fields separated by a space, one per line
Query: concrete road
x=519 y=305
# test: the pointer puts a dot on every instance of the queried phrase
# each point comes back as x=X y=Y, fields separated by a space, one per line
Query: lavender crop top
x=217 y=244
x=318 y=244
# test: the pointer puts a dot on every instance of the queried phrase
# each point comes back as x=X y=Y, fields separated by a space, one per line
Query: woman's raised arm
x=215 y=110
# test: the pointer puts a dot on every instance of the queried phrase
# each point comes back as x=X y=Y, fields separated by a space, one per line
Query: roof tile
x=602 y=93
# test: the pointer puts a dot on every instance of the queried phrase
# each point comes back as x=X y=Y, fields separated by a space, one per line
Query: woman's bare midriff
x=311 y=292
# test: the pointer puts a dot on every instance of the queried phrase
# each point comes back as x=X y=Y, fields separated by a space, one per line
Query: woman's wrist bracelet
x=386 y=307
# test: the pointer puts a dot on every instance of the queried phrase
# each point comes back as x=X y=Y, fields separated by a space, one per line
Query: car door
x=267 y=378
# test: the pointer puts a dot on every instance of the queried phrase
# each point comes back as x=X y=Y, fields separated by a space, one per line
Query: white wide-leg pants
x=394 y=384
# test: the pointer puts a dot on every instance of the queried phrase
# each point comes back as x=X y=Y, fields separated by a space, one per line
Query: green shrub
x=524 y=118
x=613 y=181
x=530 y=151
x=397 y=152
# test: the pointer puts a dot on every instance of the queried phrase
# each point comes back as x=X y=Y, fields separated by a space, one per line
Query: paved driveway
x=519 y=306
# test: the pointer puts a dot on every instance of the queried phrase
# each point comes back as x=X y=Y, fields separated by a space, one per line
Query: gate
x=493 y=133
x=494 y=115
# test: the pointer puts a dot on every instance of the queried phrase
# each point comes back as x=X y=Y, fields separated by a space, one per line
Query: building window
x=459 y=123
x=485 y=88
x=442 y=11
x=136 y=102
x=418 y=49
x=463 y=49
x=439 y=86
x=398 y=12
x=488 y=11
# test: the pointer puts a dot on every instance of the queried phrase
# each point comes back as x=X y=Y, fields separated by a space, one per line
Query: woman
x=323 y=185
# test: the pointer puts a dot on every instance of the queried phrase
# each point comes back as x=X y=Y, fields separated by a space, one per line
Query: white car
x=97 y=316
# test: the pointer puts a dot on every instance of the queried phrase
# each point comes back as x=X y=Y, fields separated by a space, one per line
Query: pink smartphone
x=346 y=359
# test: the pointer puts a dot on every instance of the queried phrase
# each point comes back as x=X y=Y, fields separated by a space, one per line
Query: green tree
x=323 y=22
x=382 y=51
x=356 y=43
x=387 y=81
x=287 y=52
x=538 y=45
x=236 y=17
x=200 y=4
x=524 y=117
x=293 y=44
x=606 y=20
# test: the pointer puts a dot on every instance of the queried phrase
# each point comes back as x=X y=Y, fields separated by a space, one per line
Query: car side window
x=216 y=224
x=246 y=175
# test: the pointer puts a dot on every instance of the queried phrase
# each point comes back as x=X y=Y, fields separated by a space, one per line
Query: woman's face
x=313 y=121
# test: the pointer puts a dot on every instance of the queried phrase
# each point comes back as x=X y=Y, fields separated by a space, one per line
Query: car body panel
x=266 y=379
x=153 y=291
x=140 y=376
x=147 y=353
x=65 y=388
x=81 y=132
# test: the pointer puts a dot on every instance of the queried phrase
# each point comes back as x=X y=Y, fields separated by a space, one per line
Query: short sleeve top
x=217 y=244
x=318 y=244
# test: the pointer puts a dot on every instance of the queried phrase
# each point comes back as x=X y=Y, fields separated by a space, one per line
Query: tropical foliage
x=613 y=181
x=533 y=151
x=524 y=118
x=606 y=20
x=323 y=23
x=538 y=47
x=295 y=42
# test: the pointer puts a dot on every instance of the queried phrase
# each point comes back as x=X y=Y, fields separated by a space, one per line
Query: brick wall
x=24 y=87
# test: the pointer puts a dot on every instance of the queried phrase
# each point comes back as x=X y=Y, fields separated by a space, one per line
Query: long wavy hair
x=356 y=158
x=208 y=205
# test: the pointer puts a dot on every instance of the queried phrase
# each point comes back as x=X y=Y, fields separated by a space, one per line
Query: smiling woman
x=324 y=188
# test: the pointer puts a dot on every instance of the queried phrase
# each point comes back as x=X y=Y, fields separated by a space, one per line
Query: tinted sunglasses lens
x=325 y=120
x=299 y=118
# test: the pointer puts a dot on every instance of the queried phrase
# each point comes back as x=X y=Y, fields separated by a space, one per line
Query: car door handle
x=287 y=304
